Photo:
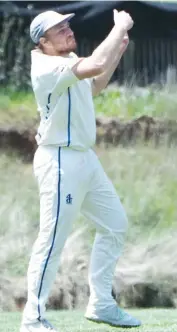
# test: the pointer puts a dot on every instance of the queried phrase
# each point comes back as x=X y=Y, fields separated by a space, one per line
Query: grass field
x=73 y=321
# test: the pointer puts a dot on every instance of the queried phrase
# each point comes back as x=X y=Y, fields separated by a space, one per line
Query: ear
x=42 y=41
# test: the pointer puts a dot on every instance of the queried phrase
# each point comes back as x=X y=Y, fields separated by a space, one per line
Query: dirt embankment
x=110 y=132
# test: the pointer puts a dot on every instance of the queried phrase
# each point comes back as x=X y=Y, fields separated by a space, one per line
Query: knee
x=121 y=224
x=117 y=227
x=124 y=222
x=120 y=218
x=121 y=229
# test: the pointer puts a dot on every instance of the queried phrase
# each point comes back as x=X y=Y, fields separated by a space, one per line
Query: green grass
x=18 y=109
x=146 y=183
x=18 y=212
x=73 y=321
x=132 y=102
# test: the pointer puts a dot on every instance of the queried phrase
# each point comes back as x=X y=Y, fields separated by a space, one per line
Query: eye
x=64 y=27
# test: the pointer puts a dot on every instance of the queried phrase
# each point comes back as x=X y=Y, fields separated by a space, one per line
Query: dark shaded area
x=21 y=142
x=110 y=132
x=94 y=18
x=73 y=293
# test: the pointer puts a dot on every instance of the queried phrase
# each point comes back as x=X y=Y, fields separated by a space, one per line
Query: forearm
x=101 y=58
x=107 y=51
x=100 y=82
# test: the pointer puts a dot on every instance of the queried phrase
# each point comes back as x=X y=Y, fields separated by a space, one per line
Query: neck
x=54 y=53
x=64 y=54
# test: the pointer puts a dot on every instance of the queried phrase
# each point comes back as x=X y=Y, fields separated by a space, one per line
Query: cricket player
x=69 y=174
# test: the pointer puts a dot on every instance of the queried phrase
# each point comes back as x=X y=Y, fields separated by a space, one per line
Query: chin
x=73 y=49
x=73 y=46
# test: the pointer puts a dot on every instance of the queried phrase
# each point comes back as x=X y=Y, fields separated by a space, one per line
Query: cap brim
x=65 y=18
x=68 y=17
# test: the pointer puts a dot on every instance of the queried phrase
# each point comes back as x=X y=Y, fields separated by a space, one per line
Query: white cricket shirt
x=65 y=103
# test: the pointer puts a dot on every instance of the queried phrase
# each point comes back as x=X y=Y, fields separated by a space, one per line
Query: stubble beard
x=71 y=46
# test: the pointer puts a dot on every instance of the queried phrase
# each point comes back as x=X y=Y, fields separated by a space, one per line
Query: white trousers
x=70 y=182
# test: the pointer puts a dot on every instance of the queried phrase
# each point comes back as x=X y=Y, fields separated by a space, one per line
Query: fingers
x=123 y=19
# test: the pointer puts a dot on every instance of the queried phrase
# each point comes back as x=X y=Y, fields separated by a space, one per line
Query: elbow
x=88 y=67
x=95 y=70
x=99 y=68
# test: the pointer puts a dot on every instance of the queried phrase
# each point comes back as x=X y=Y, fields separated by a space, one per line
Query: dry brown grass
x=145 y=276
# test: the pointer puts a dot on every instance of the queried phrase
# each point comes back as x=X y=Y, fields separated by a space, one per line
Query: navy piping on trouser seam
x=69 y=117
x=54 y=234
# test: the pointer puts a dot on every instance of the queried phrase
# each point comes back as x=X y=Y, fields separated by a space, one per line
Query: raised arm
x=101 y=81
x=57 y=76
x=103 y=55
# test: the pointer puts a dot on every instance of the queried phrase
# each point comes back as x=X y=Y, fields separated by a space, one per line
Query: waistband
x=63 y=147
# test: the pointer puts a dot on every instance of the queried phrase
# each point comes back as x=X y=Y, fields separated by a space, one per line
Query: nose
x=70 y=32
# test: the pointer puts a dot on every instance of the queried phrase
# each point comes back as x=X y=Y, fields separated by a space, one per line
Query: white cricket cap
x=44 y=21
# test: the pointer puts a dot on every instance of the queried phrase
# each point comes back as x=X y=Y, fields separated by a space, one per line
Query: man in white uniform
x=69 y=174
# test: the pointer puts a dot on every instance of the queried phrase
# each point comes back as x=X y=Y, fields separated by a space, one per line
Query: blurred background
x=153 y=38
x=136 y=117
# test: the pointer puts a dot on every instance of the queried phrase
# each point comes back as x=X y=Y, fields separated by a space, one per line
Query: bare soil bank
x=110 y=132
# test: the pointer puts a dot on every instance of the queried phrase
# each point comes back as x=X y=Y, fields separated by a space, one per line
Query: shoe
x=113 y=316
x=41 y=326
